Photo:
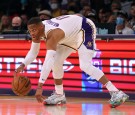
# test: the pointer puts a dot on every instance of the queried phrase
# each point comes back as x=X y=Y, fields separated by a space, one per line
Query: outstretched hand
x=39 y=95
x=20 y=68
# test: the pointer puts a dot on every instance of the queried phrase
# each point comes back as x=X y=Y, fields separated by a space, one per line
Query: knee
x=92 y=71
x=85 y=66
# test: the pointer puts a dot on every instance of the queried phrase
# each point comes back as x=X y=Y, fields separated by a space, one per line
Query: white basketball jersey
x=71 y=25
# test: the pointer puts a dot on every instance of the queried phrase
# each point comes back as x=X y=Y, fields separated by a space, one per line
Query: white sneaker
x=55 y=99
x=117 y=98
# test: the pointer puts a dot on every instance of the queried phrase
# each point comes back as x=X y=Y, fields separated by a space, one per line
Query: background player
x=65 y=35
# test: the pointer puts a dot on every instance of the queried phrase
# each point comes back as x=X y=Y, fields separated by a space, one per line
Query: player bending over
x=64 y=35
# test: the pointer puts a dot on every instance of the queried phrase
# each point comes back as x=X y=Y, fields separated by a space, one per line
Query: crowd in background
x=14 y=14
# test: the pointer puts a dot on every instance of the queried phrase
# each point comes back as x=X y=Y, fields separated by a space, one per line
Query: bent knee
x=85 y=67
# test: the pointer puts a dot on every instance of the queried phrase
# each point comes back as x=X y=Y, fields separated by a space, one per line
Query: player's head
x=36 y=28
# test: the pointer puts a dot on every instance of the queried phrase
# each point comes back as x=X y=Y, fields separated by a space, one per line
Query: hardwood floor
x=15 y=105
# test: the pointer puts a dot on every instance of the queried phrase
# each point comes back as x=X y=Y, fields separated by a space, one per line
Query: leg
x=58 y=97
x=62 y=53
x=85 y=59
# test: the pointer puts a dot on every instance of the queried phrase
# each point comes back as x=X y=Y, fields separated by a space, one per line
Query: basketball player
x=64 y=35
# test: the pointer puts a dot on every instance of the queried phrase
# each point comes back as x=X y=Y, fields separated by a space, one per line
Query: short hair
x=34 y=20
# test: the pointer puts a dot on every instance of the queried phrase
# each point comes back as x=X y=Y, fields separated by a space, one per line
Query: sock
x=110 y=86
x=59 y=89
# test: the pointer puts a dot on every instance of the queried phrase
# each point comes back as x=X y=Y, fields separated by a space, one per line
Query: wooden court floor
x=15 y=105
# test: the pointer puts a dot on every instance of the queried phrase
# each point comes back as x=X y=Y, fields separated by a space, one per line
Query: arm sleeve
x=47 y=66
x=32 y=54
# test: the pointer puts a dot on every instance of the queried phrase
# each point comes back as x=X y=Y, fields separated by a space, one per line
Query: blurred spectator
x=107 y=3
x=71 y=12
x=92 y=16
x=121 y=24
x=103 y=11
x=115 y=6
x=98 y=4
x=44 y=4
x=87 y=9
x=1 y=14
x=113 y=16
x=5 y=23
x=64 y=2
x=103 y=15
x=31 y=8
x=132 y=19
x=84 y=2
x=73 y=7
x=17 y=26
x=125 y=5
x=16 y=23
x=44 y=15
x=64 y=10
x=25 y=19
x=13 y=8
x=55 y=6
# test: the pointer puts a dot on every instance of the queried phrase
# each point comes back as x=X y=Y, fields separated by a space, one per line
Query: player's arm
x=33 y=52
x=53 y=38
x=51 y=44
x=31 y=55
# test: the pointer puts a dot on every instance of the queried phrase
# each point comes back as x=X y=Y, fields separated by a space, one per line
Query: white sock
x=59 y=89
x=110 y=86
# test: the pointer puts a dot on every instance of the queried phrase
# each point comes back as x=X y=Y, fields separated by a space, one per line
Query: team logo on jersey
x=89 y=44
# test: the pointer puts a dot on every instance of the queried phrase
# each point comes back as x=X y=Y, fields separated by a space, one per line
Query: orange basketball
x=21 y=85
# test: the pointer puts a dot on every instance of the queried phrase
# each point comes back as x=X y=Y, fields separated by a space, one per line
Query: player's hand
x=20 y=68
x=39 y=95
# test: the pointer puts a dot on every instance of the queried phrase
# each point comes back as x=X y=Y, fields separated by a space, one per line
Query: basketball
x=21 y=85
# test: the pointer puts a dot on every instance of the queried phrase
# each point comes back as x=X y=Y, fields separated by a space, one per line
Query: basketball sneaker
x=117 y=98
x=55 y=99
